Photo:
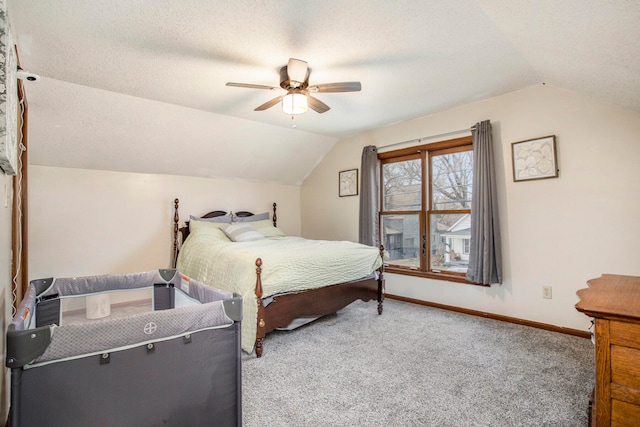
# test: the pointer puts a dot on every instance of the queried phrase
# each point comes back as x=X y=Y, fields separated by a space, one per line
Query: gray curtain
x=369 y=197
x=485 y=256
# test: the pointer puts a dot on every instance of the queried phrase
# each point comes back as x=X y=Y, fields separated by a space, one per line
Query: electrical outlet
x=546 y=292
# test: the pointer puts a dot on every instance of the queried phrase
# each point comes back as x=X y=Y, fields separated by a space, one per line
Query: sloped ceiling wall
x=81 y=127
x=413 y=57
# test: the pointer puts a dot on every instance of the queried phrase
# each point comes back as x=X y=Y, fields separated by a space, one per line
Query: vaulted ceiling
x=139 y=85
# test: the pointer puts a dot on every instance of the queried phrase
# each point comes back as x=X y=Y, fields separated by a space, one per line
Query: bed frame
x=312 y=303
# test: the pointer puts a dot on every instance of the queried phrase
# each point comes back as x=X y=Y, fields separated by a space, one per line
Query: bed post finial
x=176 y=219
x=258 y=279
x=274 y=215
x=261 y=324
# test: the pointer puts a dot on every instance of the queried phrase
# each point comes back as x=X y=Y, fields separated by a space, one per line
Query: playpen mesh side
x=108 y=335
x=70 y=286
x=114 y=334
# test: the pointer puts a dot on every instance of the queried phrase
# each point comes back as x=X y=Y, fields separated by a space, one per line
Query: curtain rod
x=418 y=140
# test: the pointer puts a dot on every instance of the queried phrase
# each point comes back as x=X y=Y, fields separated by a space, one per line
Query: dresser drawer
x=624 y=414
x=625 y=386
x=625 y=334
x=625 y=366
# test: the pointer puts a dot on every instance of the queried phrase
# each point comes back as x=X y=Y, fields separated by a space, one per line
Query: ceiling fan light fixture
x=295 y=102
x=297 y=71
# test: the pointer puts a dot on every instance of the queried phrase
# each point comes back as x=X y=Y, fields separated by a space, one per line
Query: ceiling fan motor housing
x=286 y=83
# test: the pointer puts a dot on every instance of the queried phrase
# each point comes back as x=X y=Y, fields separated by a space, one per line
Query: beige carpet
x=417 y=366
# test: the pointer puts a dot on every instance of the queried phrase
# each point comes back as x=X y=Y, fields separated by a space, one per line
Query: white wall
x=6 y=203
x=86 y=222
x=6 y=192
x=555 y=232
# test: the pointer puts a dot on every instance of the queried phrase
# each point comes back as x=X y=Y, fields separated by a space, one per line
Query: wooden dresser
x=614 y=302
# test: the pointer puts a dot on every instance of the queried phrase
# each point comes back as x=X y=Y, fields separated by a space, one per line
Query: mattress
x=289 y=264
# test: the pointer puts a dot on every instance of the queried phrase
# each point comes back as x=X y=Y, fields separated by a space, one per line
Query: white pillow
x=242 y=232
x=265 y=223
x=194 y=225
x=211 y=228
x=271 y=231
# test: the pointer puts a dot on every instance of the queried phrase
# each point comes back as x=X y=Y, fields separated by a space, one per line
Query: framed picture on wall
x=534 y=159
x=348 y=183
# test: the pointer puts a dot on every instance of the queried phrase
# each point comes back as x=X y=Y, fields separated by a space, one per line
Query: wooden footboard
x=283 y=309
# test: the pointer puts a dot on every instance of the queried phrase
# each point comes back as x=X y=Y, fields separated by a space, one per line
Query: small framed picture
x=348 y=183
x=534 y=159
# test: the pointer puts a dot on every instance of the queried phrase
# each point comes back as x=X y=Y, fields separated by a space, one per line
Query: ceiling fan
x=294 y=78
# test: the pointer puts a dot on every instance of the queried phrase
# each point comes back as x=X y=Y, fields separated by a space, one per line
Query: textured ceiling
x=413 y=58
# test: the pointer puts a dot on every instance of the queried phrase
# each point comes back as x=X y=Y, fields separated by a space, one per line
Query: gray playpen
x=146 y=349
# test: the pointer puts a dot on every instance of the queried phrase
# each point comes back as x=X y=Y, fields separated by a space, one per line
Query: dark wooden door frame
x=20 y=224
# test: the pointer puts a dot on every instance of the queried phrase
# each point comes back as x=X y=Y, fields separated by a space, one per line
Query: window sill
x=429 y=275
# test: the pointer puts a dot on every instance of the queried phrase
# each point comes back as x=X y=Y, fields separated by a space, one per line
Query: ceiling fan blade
x=297 y=70
x=252 y=86
x=336 y=87
x=316 y=105
x=269 y=104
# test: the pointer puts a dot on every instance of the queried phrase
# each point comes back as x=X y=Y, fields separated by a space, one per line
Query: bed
x=285 y=281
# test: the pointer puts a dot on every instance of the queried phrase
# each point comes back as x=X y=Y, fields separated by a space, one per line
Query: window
x=467 y=245
x=425 y=208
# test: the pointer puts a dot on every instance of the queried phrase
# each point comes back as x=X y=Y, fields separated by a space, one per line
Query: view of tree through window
x=451 y=178
x=402 y=183
x=426 y=206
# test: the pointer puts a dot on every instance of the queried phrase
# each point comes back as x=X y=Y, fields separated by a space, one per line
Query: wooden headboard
x=184 y=231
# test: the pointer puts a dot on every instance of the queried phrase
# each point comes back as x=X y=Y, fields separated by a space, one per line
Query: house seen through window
x=426 y=207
